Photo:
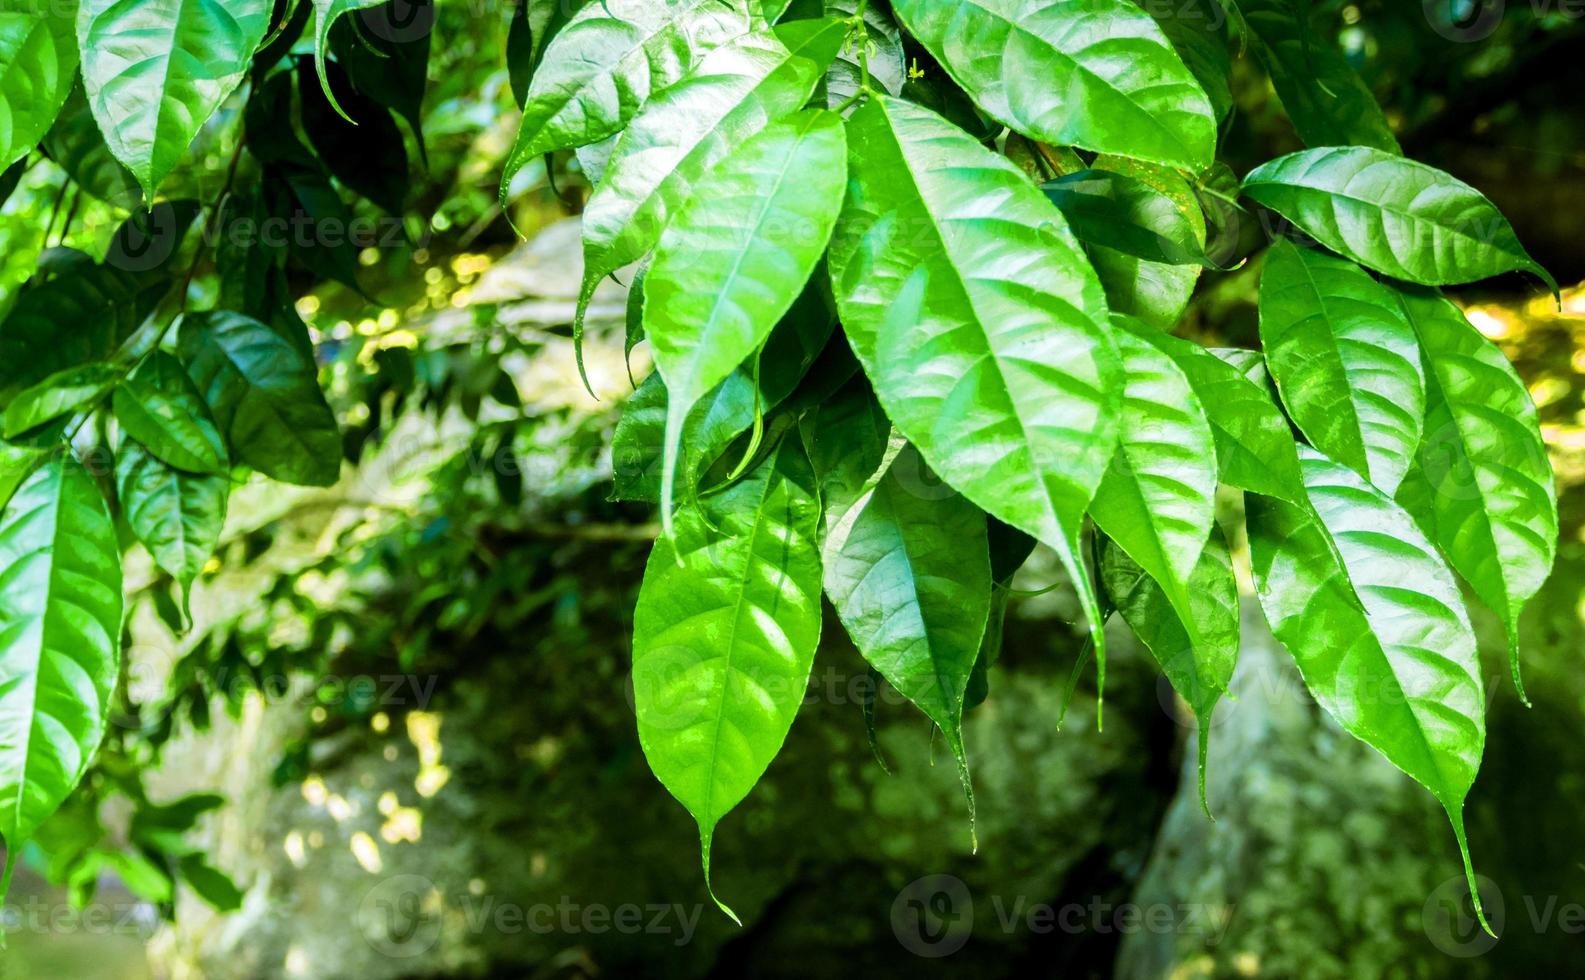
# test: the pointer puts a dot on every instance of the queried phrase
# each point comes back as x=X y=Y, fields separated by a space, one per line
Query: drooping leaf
x=160 y=407
x=727 y=411
x=391 y=68
x=734 y=259
x=265 y=397
x=177 y=515
x=326 y=13
x=1326 y=99
x=608 y=60
x=1197 y=660
x=1492 y=500
x=38 y=62
x=64 y=391
x=1375 y=621
x=724 y=637
x=75 y=144
x=155 y=72
x=973 y=311
x=684 y=131
x=1255 y=448
x=60 y=640
x=1158 y=500
x=1098 y=74
x=368 y=154
x=1345 y=359
x=1402 y=218
x=907 y=565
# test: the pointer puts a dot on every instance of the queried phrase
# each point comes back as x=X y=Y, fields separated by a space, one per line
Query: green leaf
x=1127 y=215
x=38 y=62
x=687 y=129
x=60 y=640
x=177 y=515
x=907 y=565
x=1197 y=660
x=724 y=637
x=1326 y=99
x=1345 y=359
x=368 y=154
x=217 y=890
x=1098 y=74
x=1375 y=621
x=326 y=13
x=75 y=144
x=734 y=259
x=62 y=392
x=16 y=464
x=608 y=60
x=391 y=67
x=975 y=315
x=1255 y=448
x=1493 y=500
x=1197 y=30
x=103 y=305
x=154 y=73
x=1158 y=500
x=1401 y=218
x=161 y=408
x=265 y=396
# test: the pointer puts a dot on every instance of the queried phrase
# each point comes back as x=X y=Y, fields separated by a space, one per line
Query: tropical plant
x=909 y=272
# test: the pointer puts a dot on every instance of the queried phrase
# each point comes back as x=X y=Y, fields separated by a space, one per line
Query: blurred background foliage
x=407 y=694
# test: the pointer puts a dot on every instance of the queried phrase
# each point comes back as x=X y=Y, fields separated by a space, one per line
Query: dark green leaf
x=1345 y=359
x=1127 y=215
x=391 y=68
x=1402 y=218
x=214 y=887
x=1098 y=74
x=62 y=392
x=75 y=144
x=265 y=397
x=162 y=409
x=177 y=515
x=367 y=154
x=103 y=305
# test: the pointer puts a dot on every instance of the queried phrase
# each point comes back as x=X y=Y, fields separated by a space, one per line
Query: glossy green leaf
x=1326 y=99
x=60 y=393
x=60 y=640
x=686 y=130
x=17 y=463
x=162 y=409
x=1127 y=215
x=1197 y=660
x=1402 y=218
x=265 y=397
x=1197 y=30
x=1345 y=359
x=724 y=637
x=907 y=564
x=1098 y=74
x=1255 y=447
x=1158 y=499
x=38 y=62
x=1375 y=621
x=608 y=60
x=155 y=72
x=1156 y=292
x=979 y=322
x=1493 y=499
x=733 y=260
x=177 y=515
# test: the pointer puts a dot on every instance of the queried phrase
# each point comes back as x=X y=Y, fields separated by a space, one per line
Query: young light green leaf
x=608 y=60
x=62 y=392
x=979 y=322
x=1326 y=99
x=1255 y=448
x=177 y=515
x=683 y=132
x=1158 y=500
x=1345 y=360
x=60 y=640
x=724 y=637
x=1493 y=499
x=1399 y=217
x=1375 y=621
x=1098 y=74
x=1198 y=661
x=154 y=73
x=162 y=409
x=38 y=62
x=733 y=261
x=265 y=396
x=907 y=564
